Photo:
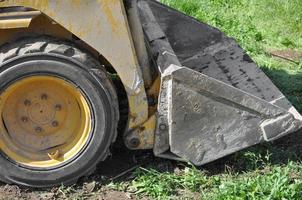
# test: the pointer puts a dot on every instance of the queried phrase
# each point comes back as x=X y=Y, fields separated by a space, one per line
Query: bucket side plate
x=209 y=119
x=214 y=99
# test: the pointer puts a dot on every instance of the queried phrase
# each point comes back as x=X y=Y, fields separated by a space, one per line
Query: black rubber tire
x=49 y=56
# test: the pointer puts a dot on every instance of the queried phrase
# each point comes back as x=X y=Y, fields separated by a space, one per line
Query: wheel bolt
x=44 y=96
x=38 y=129
x=55 y=123
x=58 y=107
x=134 y=142
x=162 y=127
x=24 y=119
x=27 y=102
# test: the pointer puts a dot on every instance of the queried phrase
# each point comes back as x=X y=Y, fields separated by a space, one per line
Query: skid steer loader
x=74 y=72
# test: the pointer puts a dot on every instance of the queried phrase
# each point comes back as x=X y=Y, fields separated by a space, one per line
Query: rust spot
x=107 y=6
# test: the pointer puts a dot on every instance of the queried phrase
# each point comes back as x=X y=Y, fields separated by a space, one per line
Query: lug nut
x=55 y=123
x=162 y=127
x=58 y=107
x=24 y=119
x=44 y=96
x=27 y=102
x=134 y=142
x=38 y=129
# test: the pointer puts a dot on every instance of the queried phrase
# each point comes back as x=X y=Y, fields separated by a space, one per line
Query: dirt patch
x=117 y=167
x=13 y=192
x=115 y=195
x=10 y=192
x=118 y=196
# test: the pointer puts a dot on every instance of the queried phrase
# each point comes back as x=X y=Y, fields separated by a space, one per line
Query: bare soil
x=115 y=168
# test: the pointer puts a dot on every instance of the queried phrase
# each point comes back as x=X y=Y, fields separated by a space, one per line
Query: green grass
x=263 y=172
x=282 y=182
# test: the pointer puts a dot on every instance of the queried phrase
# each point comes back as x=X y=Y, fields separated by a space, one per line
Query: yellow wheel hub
x=46 y=121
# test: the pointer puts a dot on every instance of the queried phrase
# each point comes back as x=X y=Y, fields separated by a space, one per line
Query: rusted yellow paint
x=145 y=134
x=40 y=127
x=153 y=92
x=105 y=7
x=101 y=24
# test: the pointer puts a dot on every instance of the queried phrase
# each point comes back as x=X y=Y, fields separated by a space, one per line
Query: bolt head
x=162 y=127
x=55 y=123
x=24 y=119
x=27 y=102
x=58 y=107
x=134 y=142
x=38 y=130
x=44 y=97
